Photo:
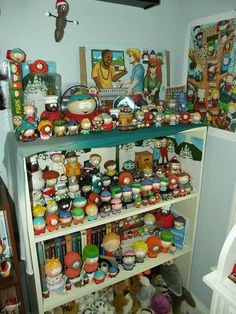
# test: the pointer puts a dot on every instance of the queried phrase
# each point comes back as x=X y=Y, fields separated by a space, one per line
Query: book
x=47 y=250
x=58 y=249
x=83 y=239
x=89 y=236
x=79 y=243
x=41 y=259
x=108 y=227
x=74 y=242
x=68 y=243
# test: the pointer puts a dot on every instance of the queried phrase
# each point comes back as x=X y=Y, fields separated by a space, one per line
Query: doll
x=52 y=111
x=54 y=277
x=72 y=261
x=140 y=249
x=90 y=258
x=128 y=260
x=72 y=166
x=77 y=215
x=154 y=245
x=45 y=128
x=72 y=127
x=57 y=159
x=51 y=178
x=111 y=243
x=59 y=128
x=91 y=211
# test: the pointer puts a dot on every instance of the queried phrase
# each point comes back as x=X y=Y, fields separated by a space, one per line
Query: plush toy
x=125 y=300
x=161 y=304
x=146 y=292
x=178 y=293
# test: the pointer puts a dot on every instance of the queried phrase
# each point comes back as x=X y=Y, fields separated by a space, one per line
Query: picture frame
x=210 y=67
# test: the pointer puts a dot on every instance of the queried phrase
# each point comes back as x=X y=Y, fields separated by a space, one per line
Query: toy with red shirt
x=111 y=243
x=52 y=110
x=90 y=258
x=165 y=218
x=73 y=263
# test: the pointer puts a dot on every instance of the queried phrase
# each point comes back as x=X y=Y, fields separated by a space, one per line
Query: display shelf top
x=92 y=140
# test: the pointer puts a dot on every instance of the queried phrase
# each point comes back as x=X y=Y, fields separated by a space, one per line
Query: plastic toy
x=86 y=188
x=72 y=261
x=45 y=128
x=51 y=178
x=77 y=215
x=149 y=220
x=62 y=8
x=11 y=305
x=57 y=159
x=167 y=239
x=39 y=225
x=72 y=127
x=140 y=249
x=52 y=221
x=99 y=276
x=165 y=218
x=5 y=267
x=27 y=131
x=79 y=201
x=65 y=218
x=52 y=111
x=111 y=243
x=96 y=183
x=54 y=277
x=72 y=166
x=85 y=126
x=112 y=271
x=92 y=166
x=154 y=246
x=116 y=205
x=59 y=128
x=128 y=260
x=90 y=258
x=81 y=106
x=110 y=168
x=73 y=189
x=143 y=159
x=91 y=211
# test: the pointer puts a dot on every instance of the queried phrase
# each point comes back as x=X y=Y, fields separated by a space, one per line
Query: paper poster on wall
x=210 y=69
x=116 y=76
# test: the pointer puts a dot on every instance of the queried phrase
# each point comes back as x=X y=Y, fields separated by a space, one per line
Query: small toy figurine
x=165 y=218
x=57 y=159
x=232 y=275
x=85 y=126
x=79 y=201
x=54 y=277
x=154 y=246
x=72 y=166
x=11 y=305
x=81 y=106
x=38 y=210
x=167 y=239
x=90 y=258
x=65 y=218
x=73 y=190
x=111 y=243
x=128 y=260
x=97 y=123
x=64 y=204
x=107 y=122
x=78 y=215
x=72 y=127
x=110 y=168
x=45 y=128
x=51 y=178
x=39 y=225
x=156 y=155
x=164 y=149
x=27 y=132
x=59 y=128
x=99 y=276
x=73 y=262
x=16 y=54
x=86 y=188
x=116 y=205
x=52 y=111
x=30 y=114
x=149 y=220
x=5 y=267
x=52 y=221
x=92 y=166
x=62 y=8
x=91 y=211
x=140 y=249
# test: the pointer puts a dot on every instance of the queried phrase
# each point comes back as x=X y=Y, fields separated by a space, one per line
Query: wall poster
x=210 y=69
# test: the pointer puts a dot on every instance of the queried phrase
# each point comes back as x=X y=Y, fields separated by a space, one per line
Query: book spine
x=74 y=242
x=83 y=239
x=52 y=249
x=68 y=243
x=47 y=250
x=58 y=249
x=108 y=227
x=41 y=259
x=63 y=246
x=89 y=236
x=79 y=243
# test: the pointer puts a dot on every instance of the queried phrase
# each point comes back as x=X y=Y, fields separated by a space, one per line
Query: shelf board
x=58 y=299
x=92 y=140
x=132 y=211
x=225 y=288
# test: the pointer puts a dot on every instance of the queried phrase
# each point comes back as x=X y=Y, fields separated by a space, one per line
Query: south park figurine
x=77 y=215
x=154 y=246
x=81 y=106
x=54 y=277
x=72 y=166
x=91 y=211
x=140 y=249
x=90 y=258
x=73 y=262
x=52 y=111
x=111 y=243
x=128 y=260
x=167 y=239
x=45 y=128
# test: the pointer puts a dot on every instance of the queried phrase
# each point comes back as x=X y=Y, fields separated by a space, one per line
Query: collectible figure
x=111 y=243
x=51 y=178
x=96 y=184
x=61 y=191
x=184 y=182
x=59 y=128
x=52 y=111
x=38 y=211
x=165 y=218
x=27 y=131
x=72 y=166
x=156 y=185
x=51 y=206
x=16 y=54
x=30 y=114
x=91 y=211
x=99 y=276
x=97 y=123
x=92 y=166
x=65 y=219
x=167 y=239
x=77 y=215
x=149 y=220
x=90 y=258
x=73 y=190
x=52 y=221
x=45 y=128
x=81 y=106
x=154 y=246
x=128 y=260
x=85 y=126
x=79 y=201
x=73 y=262
x=140 y=249
x=54 y=277
x=107 y=122
x=72 y=127
x=86 y=188
x=116 y=206
x=156 y=155
x=174 y=166
x=112 y=271
x=64 y=204
x=110 y=168
x=5 y=267
x=39 y=225
x=125 y=178
x=57 y=159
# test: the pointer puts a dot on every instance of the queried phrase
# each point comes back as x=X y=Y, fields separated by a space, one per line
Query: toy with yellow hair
x=54 y=276
x=140 y=249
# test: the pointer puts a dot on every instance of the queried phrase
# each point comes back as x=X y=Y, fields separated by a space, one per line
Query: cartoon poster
x=211 y=70
x=111 y=70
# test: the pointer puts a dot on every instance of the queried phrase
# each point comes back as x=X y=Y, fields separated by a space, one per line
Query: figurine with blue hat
x=27 y=131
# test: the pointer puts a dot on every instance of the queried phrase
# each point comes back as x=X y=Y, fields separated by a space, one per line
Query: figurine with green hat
x=90 y=258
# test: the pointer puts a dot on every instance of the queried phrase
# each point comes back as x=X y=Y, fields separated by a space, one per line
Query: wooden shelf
x=132 y=211
x=55 y=300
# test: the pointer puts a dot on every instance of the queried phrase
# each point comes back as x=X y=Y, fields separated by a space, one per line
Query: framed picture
x=90 y=58
x=210 y=69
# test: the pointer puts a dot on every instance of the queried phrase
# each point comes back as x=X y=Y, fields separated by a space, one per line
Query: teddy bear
x=125 y=300
x=146 y=292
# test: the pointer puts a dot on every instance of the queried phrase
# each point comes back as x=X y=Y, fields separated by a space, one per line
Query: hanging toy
x=62 y=8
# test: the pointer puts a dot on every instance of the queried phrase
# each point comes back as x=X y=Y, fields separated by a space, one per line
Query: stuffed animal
x=161 y=304
x=178 y=292
x=146 y=292
x=125 y=300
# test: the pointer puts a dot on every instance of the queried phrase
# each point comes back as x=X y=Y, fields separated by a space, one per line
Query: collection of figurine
x=70 y=193
x=85 y=113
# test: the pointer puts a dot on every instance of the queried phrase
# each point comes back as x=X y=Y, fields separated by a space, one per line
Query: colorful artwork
x=211 y=71
x=114 y=70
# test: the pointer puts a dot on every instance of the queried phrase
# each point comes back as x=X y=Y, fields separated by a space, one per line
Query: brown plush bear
x=125 y=301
